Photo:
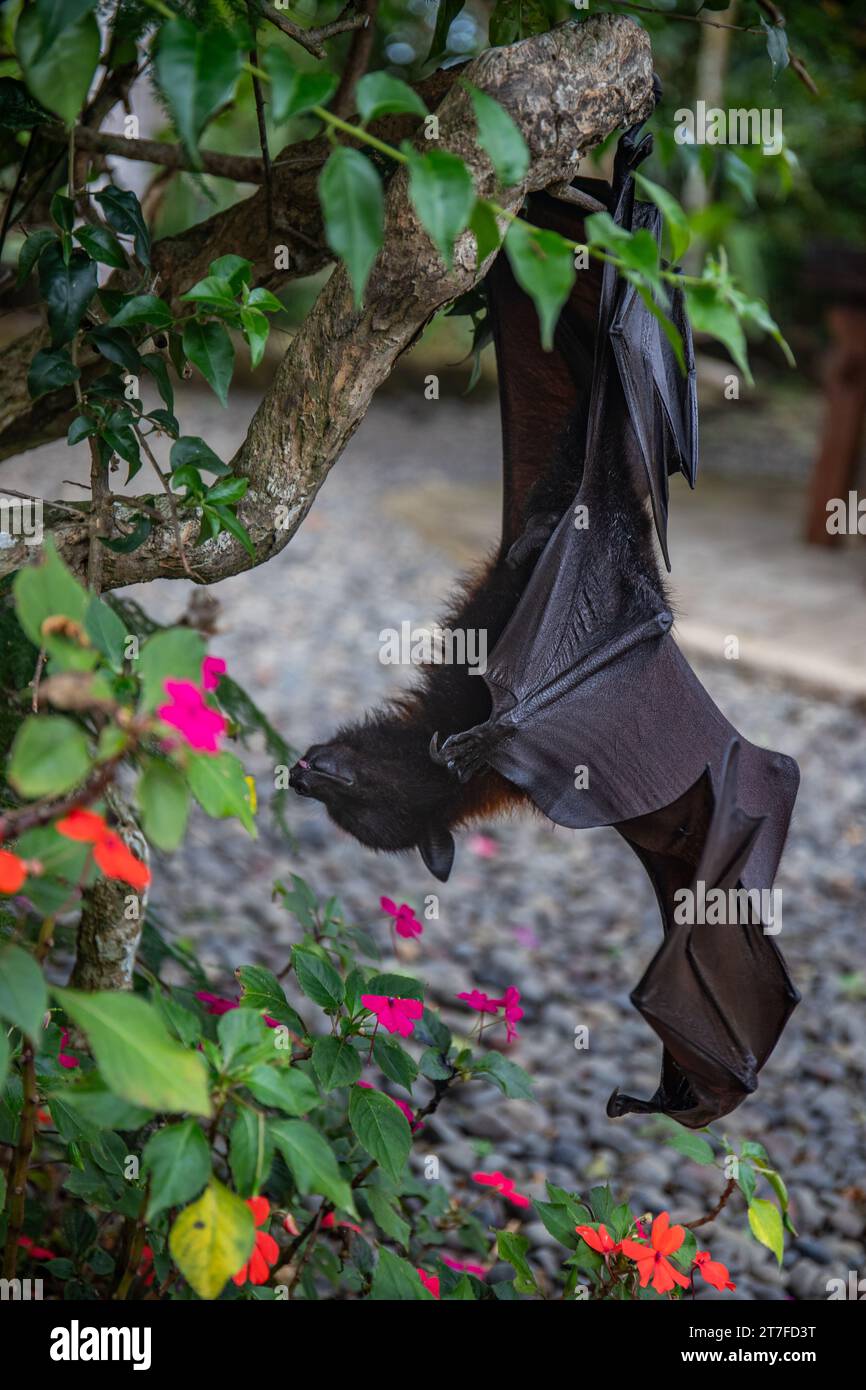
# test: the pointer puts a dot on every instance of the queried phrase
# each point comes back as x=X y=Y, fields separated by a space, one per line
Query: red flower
x=145 y=1267
x=430 y=1282
x=109 y=851
x=13 y=871
x=330 y=1223
x=652 y=1261
x=476 y=999
x=503 y=1185
x=714 y=1272
x=266 y=1252
x=600 y=1240
x=462 y=1267
x=396 y=1015
x=211 y=669
x=66 y=1059
x=36 y=1252
x=116 y=861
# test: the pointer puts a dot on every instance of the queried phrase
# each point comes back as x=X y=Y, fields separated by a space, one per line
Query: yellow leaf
x=211 y=1239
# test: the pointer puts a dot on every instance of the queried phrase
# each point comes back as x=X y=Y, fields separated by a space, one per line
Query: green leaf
x=137 y=1058
x=91 y=1102
x=446 y=13
x=710 y=314
x=336 y=1062
x=178 y=1161
x=102 y=245
x=175 y=654
x=50 y=370
x=251 y=1151
x=4 y=1072
x=197 y=70
x=485 y=229
x=67 y=289
x=396 y=1280
x=117 y=346
x=294 y=92
x=32 y=249
x=353 y=207
x=513 y=1248
x=381 y=94
x=163 y=797
x=227 y=490
x=229 y=522
x=395 y=1061
x=213 y=290
x=123 y=210
x=189 y=449
x=143 y=309
x=260 y=298
x=256 y=329
x=284 y=1088
x=675 y=219
x=777 y=46
x=218 y=783
x=516 y=19
x=262 y=991
x=500 y=137
x=209 y=347
x=18 y=110
x=23 y=998
x=155 y=363
x=381 y=1129
x=58 y=56
x=443 y=196
x=387 y=1216
x=237 y=270
x=747 y=1180
x=310 y=1159
x=212 y=1239
x=543 y=266
x=317 y=978
x=765 y=1221
x=693 y=1146
x=511 y=1079
x=49 y=756
x=106 y=631
x=401 y=986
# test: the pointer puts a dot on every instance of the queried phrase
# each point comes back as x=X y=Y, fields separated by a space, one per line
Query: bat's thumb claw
x=435 y=753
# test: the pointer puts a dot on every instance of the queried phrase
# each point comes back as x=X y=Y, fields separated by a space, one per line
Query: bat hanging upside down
x=588 y=709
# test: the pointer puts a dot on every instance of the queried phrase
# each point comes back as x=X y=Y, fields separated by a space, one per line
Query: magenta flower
x=462 y=1267
x=216 y=1004
x=211 y=669
x=510 y=1003
x=395 y=1015
x=66 y=1059
x=201 y=726
x=503 y=1185
x=482 y=1002
x=406 y=923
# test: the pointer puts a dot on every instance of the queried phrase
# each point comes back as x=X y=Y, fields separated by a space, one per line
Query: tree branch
x=566 y=90
x=242 y=168
x=313 y=40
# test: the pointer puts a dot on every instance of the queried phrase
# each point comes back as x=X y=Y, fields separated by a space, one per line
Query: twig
x=357 y=61
x=14 y=823
x=241 y=168
x=21 y=1162
x=262 y=123
x=312 y=40
x=172 y=507
x=135 y=1232
x=711 y=1216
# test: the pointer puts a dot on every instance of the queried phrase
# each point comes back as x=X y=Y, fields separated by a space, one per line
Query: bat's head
x=377 y=781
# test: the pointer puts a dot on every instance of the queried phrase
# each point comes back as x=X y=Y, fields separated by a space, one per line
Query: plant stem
x=21 y=1162
x=711 y=1215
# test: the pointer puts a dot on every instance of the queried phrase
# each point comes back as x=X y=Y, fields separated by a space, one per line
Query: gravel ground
x=568 y=917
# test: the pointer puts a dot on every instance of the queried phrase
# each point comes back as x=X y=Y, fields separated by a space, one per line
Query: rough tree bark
x=566 y=90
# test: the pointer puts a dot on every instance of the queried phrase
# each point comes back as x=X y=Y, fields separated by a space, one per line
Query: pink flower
x=211 y=669
x=406 y=923
x=395 y=1015
x=510 y=1002
x=216 y=1004
x=330 y=1223
x=66 y=1059
x=481 y=1002
x=430 y=1282
x=201 y=726
x=503 y=1185
x=483 y=846
x=463 y=1268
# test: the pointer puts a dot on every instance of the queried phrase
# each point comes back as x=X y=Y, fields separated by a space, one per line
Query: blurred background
x=570 y=918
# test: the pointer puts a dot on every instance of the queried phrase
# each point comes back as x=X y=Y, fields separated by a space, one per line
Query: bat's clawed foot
x=532 y=539
x=463 y=754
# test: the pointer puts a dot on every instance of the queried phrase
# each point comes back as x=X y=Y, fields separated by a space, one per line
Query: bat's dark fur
x=376 y=777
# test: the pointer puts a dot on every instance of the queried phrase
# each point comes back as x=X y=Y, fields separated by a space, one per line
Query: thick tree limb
x=566 y=90
x=242 y=168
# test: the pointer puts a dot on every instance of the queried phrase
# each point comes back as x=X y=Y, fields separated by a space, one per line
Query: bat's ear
x=437 y=850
